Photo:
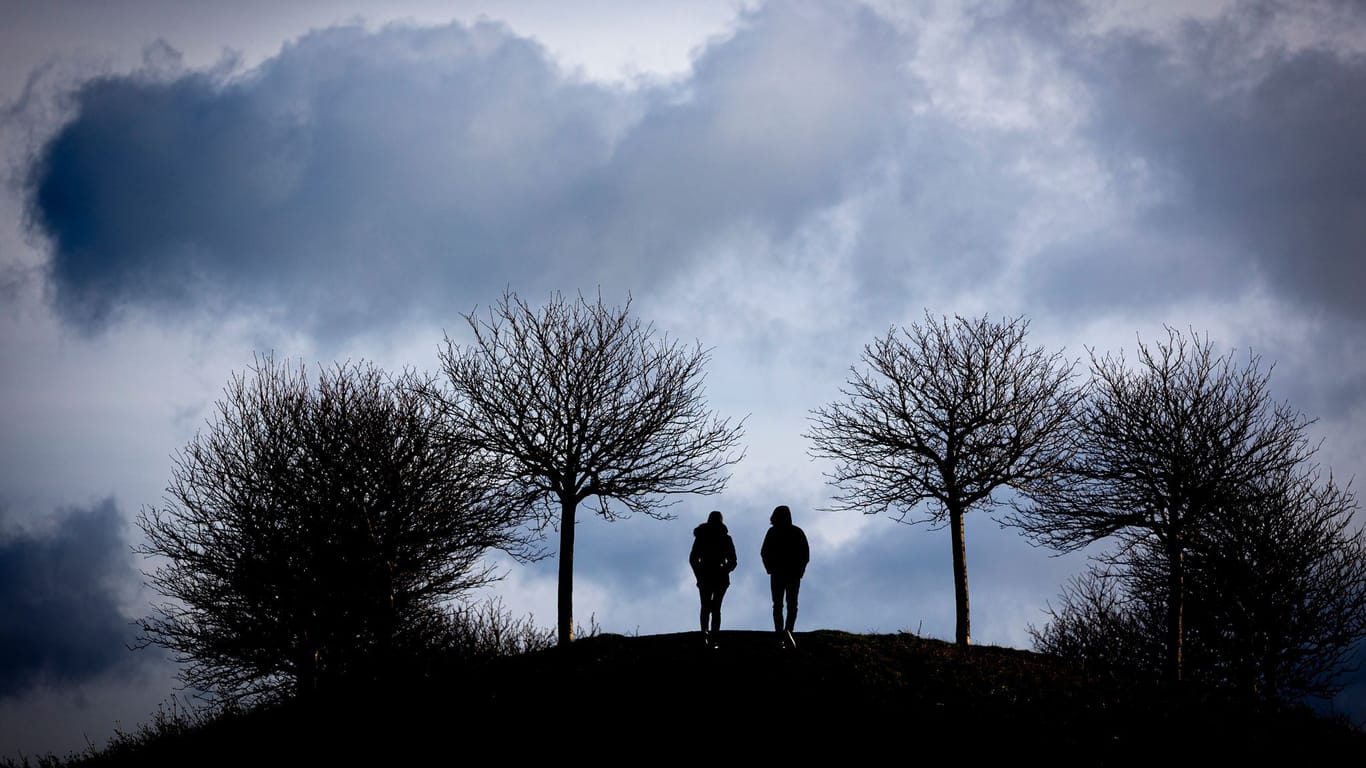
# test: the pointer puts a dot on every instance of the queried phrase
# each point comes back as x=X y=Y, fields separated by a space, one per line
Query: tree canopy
x=1166 y=449
x=578 y=401
x=947 y=413
x=312 y=529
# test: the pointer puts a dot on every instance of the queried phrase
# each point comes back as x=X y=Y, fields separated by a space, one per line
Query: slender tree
x=582 y=401
x=312 y=530
x=948 y=413
x=1165 y=449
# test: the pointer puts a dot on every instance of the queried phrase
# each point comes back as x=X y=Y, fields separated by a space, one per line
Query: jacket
x=785 y=551
x=713 y=554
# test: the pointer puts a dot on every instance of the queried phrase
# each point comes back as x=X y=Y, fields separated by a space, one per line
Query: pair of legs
x=711 y=595
x=784 y=589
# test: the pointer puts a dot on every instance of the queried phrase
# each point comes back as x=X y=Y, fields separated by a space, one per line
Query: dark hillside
x=664 y=698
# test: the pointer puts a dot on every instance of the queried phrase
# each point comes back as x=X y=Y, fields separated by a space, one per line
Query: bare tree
x=949 y=413
x=1165 y=449
x=1276 y=597
x=1103 y=623
x=581 y=401
x=1278 y=589
x=310 y=532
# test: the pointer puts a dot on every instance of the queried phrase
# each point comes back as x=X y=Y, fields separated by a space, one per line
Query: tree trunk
x=566 y=593
x=306 y=673
x=963 y=633
x=1176 y=598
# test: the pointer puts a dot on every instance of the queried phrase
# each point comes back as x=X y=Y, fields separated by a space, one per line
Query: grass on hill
x=667 y=698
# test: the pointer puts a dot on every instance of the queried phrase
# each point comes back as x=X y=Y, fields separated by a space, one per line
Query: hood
x=710 y=529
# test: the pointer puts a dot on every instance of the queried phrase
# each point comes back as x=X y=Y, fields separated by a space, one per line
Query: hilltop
x=666 y=697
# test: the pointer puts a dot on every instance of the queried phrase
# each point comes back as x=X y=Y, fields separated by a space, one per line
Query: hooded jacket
x=785 y=551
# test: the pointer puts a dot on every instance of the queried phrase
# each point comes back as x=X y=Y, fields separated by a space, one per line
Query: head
x=714 y=518
x=781 y=515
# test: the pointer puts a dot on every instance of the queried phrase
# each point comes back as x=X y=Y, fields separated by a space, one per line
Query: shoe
x=789 y=639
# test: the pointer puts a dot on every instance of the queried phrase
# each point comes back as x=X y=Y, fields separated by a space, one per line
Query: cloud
x=60 y=594
x=333 y=182
x=1239 y=152
x=358 y=178
x=819 y=173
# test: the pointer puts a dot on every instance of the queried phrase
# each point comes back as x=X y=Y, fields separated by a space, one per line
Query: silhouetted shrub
x=313 y=531
x=1166 y=449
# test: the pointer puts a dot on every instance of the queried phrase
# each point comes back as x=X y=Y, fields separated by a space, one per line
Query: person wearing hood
x=712 y=559
x=785 y=554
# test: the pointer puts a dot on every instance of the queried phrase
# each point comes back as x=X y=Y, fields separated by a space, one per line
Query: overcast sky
x=190 y=183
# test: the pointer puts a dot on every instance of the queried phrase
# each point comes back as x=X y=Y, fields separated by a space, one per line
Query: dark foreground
x=837 y=696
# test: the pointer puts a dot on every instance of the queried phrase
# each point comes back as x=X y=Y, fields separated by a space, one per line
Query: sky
x=188 y=184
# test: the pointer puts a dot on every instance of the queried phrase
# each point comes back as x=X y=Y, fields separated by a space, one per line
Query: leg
x=702 y=616
x=793 y=587
x=718 y=594
x=775 y=585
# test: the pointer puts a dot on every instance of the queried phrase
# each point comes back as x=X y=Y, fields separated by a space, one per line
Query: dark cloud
x=340 y=180
x=357 y=177
x=782 y=119
x=1243 y=158
x=59 y=596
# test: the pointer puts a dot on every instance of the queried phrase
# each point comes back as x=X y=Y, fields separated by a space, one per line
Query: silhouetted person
x=712 y=559
x=785 y=554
